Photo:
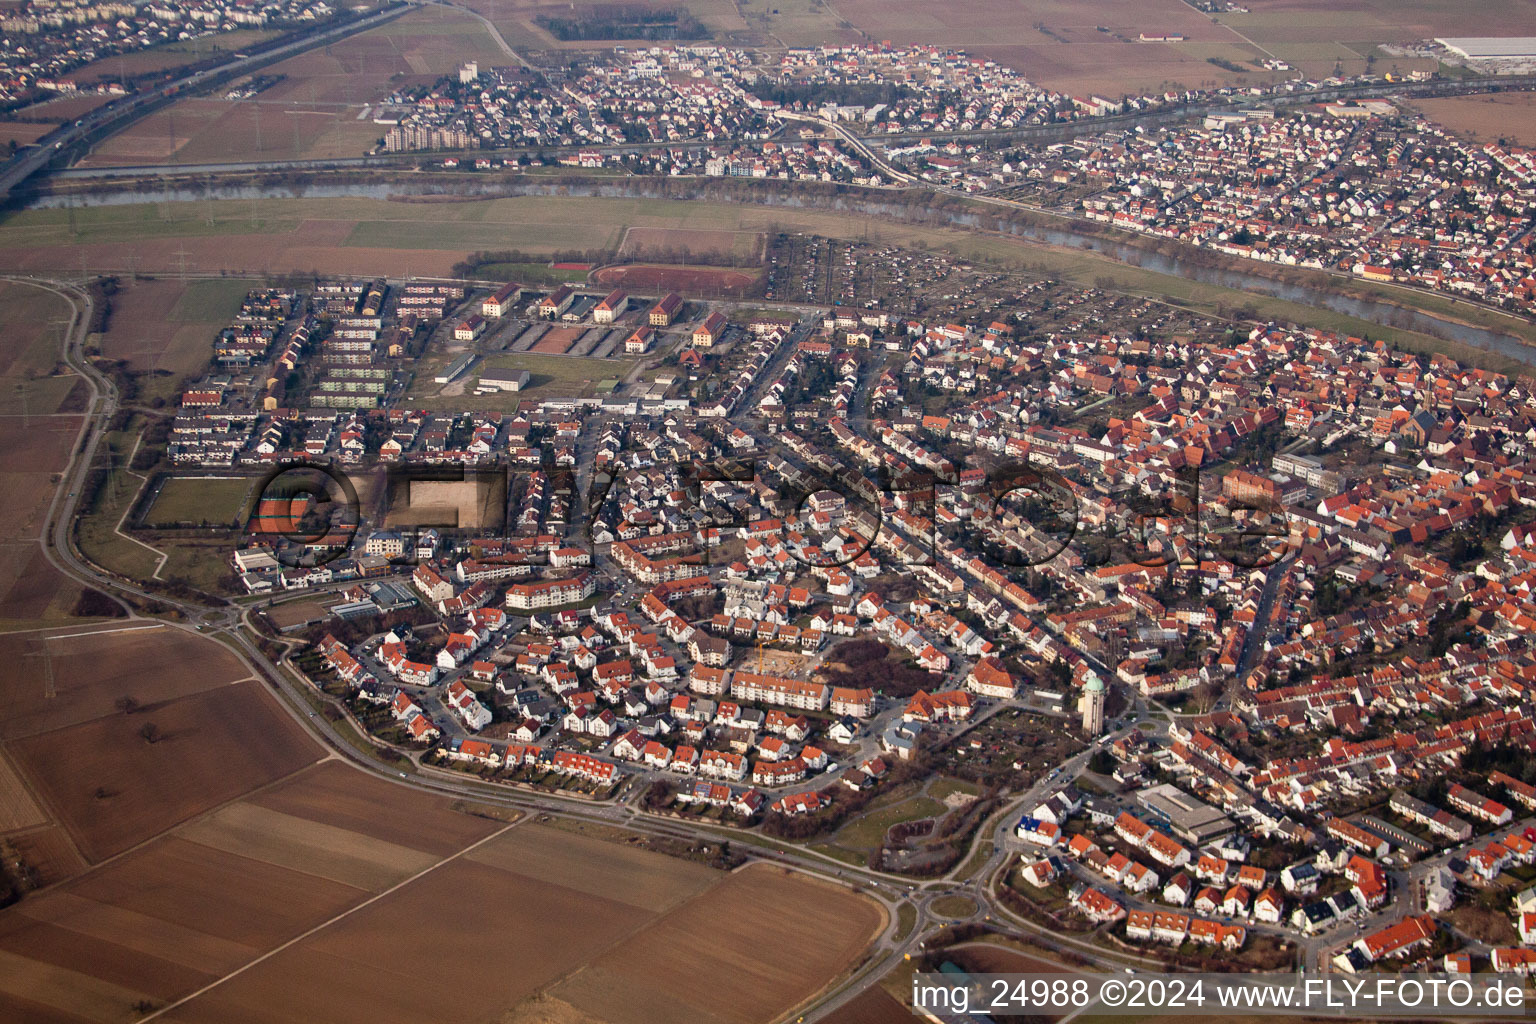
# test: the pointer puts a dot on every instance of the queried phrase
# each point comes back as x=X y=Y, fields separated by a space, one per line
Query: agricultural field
x=23 y=133
x=32 y=380
x=872 y=1006
x=67 y=736
x=314 y=112
x=96 y=666
x=18 y=807
x=1486 y=118
x=125 y=777
x=169 y=56
x=212 y=301
x=534 y=234
x=517 y=21
x=1377 y=21
x=795 y=922
x=35 y=443
x=186 y=499
x=30 y=453
x=122 y=732
x=1080 y=48
x=153 y=327
x=62 y=108
x=1318 y=37
x=265 y=236
x=184 y=910
x=1072 y=47
x=312 y=884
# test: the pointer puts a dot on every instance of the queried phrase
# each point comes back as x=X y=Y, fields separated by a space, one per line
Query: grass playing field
x=195 y=500
x=553 y=376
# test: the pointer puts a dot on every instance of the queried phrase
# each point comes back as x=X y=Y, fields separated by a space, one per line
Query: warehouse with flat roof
x=492 y=379
x=1491 y=47
x=1192 y=820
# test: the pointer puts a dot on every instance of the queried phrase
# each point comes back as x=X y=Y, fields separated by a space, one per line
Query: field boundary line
x=1240 y=35
x=269 y=954
x=99 y=632
x=118 y=529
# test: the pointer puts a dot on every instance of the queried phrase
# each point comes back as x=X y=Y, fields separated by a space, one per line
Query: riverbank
x=362 y=210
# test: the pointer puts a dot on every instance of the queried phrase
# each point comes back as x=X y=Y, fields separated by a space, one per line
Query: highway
x=867 y=145
x=120 y=113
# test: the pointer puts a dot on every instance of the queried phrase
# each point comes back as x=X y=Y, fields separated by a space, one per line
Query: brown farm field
x=169 y=56
x=93 y=667
x=796 y=921
x=18 y=808
x=305 y=900
x=337 y=795
x=184 y=910
x=559 y=915
x=1486 y=118
x=114 y=786
x=1095 y=46
x=313 y=112
x=647 y=277
x=64 y=108
x=30 y=454
x=23 y=133
x=164 y=323
x=517 y=21
x=32 y=380
x=34 y=446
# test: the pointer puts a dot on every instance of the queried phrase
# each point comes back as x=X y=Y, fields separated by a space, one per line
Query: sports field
x=553 y=376
x=197 y=499
x=742 y=245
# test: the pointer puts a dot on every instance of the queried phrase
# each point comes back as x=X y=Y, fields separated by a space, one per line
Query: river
x=1372 y=311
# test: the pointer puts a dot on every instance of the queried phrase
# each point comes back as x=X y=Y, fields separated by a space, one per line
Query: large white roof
x=1474 y=47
